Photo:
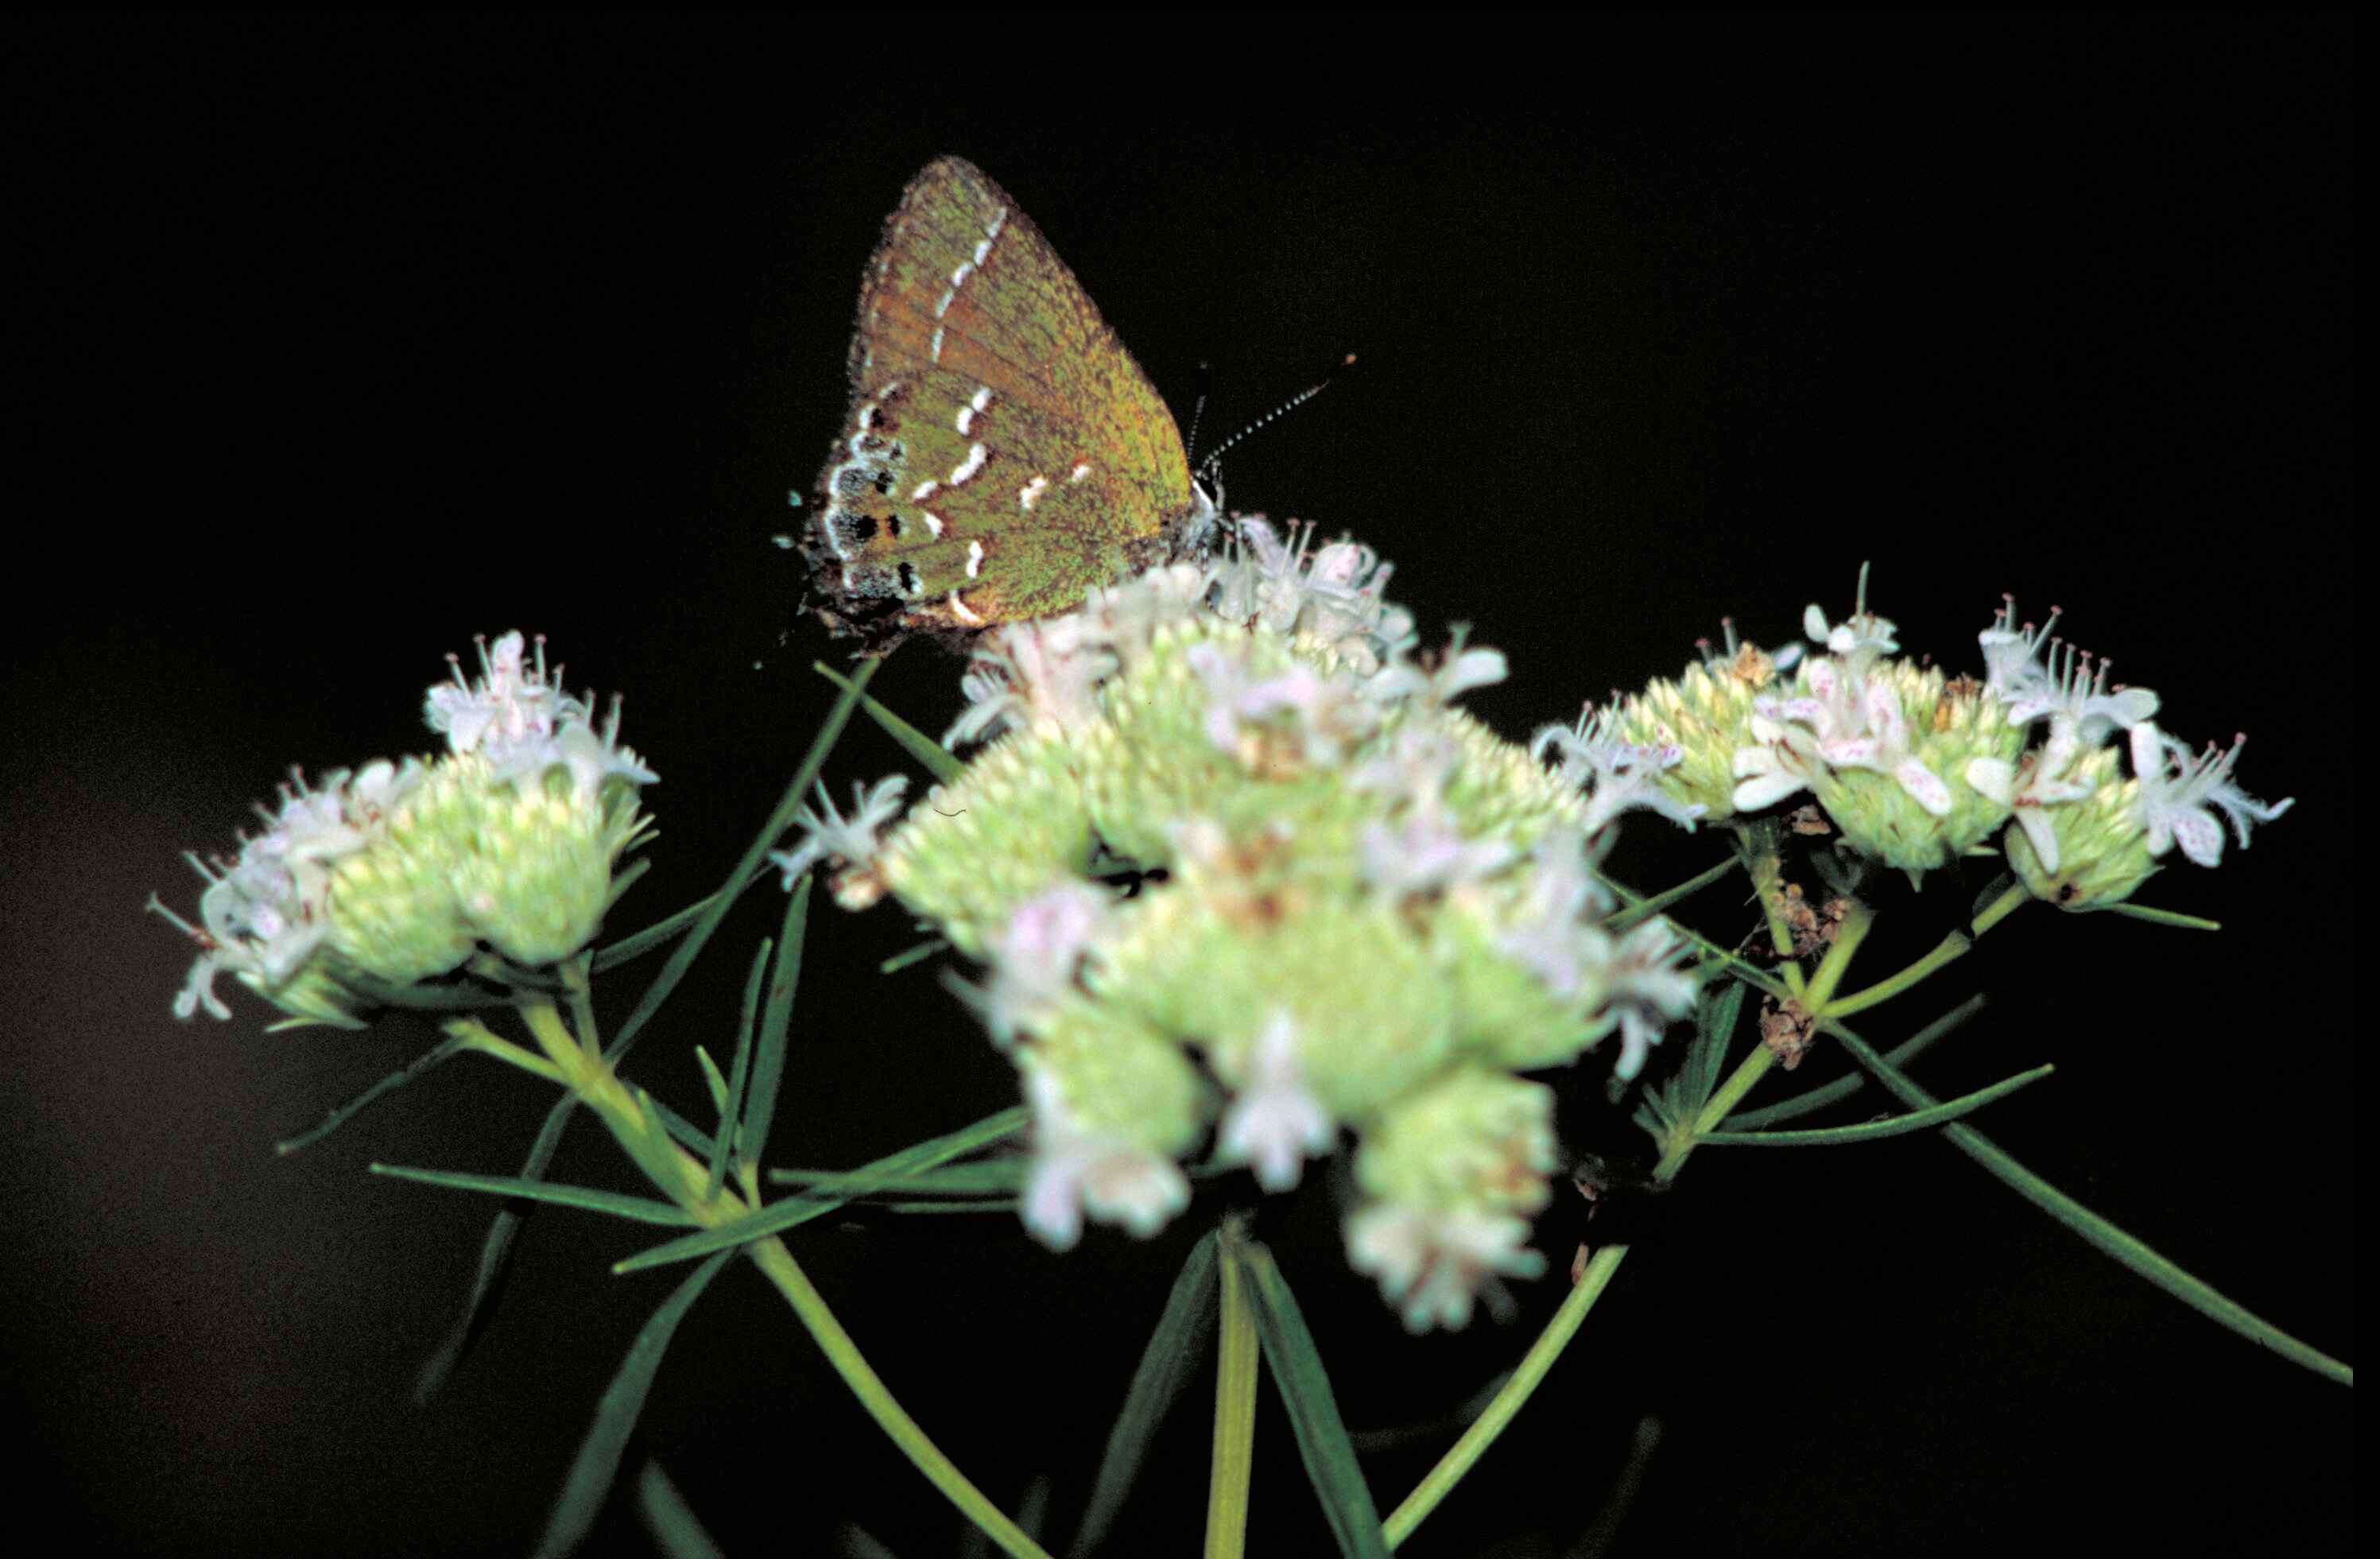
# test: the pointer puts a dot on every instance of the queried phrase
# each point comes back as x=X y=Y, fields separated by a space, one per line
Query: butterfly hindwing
x=1004 y=453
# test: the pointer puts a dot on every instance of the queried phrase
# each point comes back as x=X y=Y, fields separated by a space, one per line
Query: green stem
x=2009 y=900
x=687 y=1180
x=1233 y=1460
x=1465 y=1452
x=772 y=1256
x=1948 y=950
x=1858 y=919
x=1767 y=869
x=1439 y=1480
x=1645 y=908
x=472 y=1034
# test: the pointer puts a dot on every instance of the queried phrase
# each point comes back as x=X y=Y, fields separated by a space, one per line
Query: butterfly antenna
x=1206 y=469
x=1198 y=407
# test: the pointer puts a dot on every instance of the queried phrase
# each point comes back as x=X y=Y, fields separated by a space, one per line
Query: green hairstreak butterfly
x=1003 y=453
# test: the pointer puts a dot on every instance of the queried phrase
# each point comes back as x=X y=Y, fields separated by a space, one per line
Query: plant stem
x=772 y=1256
x=687 y=1181
x=1440 y=1481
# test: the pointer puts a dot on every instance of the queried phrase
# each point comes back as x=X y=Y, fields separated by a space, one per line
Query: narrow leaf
x=1873 y=1131
x=1640 y=908
x=2107 y=1238
x=676 y=1530
x=643 y=1210
x=916 y=955
x=2157 y=917
x=820 y=1201
x=746 y=871
x=1232 y=1462
x=387 y=1084
x=991 y=1177
x=495 y=1260
x=616 y=1418
x=733 y=1090
x=1166 y=1365
x=1811 y=1101
x=713 y=1079
x=935 y=758
x=776 y=1020
x=638 y=944
x=1304 y=1386
x=689 y=1136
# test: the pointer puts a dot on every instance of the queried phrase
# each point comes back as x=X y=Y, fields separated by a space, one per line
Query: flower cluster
x=1242 y=875
x=498 y=854
x=1914 y=769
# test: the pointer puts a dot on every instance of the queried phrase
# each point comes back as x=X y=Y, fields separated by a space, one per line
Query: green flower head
x=400 y=874
x=1242 y=875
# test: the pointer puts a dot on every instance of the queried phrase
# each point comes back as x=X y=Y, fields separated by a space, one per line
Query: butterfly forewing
x=1004 y=453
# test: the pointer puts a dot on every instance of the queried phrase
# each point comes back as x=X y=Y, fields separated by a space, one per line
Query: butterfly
x=1004 y=453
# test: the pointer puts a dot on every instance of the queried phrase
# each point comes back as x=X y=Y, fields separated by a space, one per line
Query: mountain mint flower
x=1454 y=1171
x=1704 y=717
x=1275 y=1123
x=400 y=874
x=1914 y=768
x=2176 y=791
x=1243 y=880
x=1888 y=747
x=2088 y=851
x=829 y=835
x=1617 y=774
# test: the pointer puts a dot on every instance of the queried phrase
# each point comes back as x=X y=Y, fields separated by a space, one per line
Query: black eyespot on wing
x=908 y=578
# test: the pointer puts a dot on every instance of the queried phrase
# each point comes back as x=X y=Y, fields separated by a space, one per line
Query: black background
x=340 y=343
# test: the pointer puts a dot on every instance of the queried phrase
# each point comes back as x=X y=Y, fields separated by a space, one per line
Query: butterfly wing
x=1004 y=453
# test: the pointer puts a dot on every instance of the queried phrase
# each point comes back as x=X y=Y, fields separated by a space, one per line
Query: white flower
x=263 y=915
x=1032 y=674
x=2035 y=783
x=1425 y=852
x=1412 y=767
x=831 y=836
x=1859 y=638
x=2012 y=653
x=1617 y=774
x=1328 y=712
x=1334 y=595
x=2177 y=791
x=1445 y=679
x=1843 y=720
x=1647 y=991
x=1549 y=937
x=1431 y=1265
x=2071 y=688
x=1034 y=957
x=1077 y=1171
x=1275 y=1124
x=1125 y=617
x=524 y=724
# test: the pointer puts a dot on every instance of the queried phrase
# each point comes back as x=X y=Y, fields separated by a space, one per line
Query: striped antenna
x=1206 y=468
